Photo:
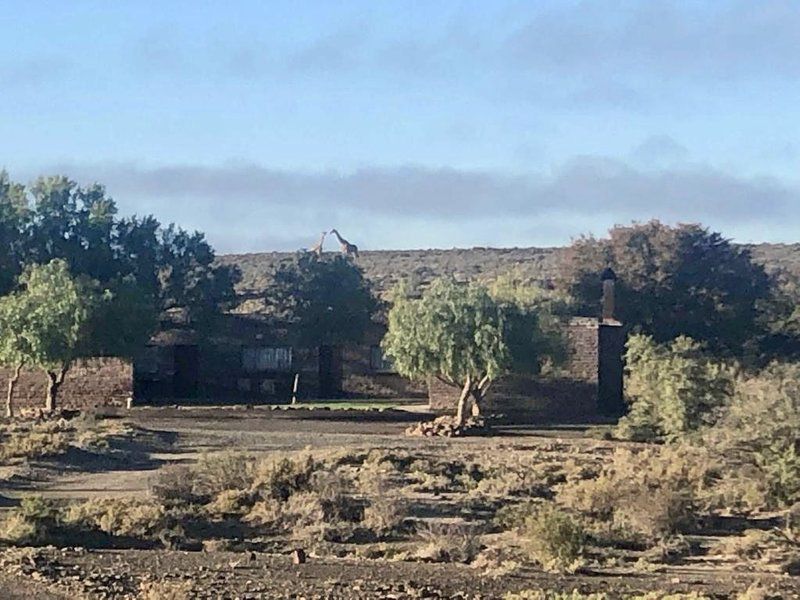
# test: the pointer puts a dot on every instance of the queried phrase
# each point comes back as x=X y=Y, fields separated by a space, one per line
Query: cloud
x=718 y=40
x=244 y=206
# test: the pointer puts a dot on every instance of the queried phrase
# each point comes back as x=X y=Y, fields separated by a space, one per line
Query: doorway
x=187 y=372
x=330 y=371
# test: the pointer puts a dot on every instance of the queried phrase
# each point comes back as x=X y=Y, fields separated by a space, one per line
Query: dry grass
x=165 y=590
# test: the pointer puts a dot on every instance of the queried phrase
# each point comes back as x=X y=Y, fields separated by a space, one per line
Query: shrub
x=384 y=514
x=175 y=484
x=34 y=444
x=672 y=389
x=34 y=521
x=448 y=542
x=552 y=595
x=165 y=590
x=554 y=539
x=203 y=482
x=757 y=436
x=125 y=517
x=645 y=494
x=282 y=477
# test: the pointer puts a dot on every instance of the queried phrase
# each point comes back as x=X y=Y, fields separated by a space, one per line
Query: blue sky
x=412 y=124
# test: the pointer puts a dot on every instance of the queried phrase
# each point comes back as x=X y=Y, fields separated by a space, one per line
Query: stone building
x=254 y=357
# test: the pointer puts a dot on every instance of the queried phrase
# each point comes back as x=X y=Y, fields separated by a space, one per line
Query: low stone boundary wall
x=90 y=383
x=524 y=398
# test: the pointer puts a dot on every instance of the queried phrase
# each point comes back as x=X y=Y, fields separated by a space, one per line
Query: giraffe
x=317 y=249
x=347 y=248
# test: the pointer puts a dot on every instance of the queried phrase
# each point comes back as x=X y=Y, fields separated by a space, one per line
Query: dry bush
x=165 y=590
x=34 y=444
x=203 y=482
x=230 y=503
x=765 y=548
x=448 y=542
x=513 y=516
x=554 y=539
x=34 y=521
x=553 y=595
x=279 y=478
x=514 y=478
x=29 y=439
x=215 y=473
x=124 y=517
x=384 y=514
x=174 y=484
x=645 y=494
x=321 y=508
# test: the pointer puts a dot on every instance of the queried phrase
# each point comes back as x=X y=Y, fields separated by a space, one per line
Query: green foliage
x=758 y=438
x=673 y=281
x=57 y=310
x=534 y=319
x=13 y=219
x=327 y=298
x=780 y=316
x=167 y=267
x=554 y=538
x=454 y=331
x=672 y=389
x=189 y=277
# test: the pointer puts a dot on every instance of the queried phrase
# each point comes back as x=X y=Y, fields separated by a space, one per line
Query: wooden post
x=294 y=387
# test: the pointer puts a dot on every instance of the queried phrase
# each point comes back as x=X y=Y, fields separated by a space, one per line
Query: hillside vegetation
x=384 y=268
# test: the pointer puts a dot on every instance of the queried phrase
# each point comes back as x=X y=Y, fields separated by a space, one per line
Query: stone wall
x=96 y=382
x=589 y=383
x=583 y=342
x=361 y=380
x=522 y=397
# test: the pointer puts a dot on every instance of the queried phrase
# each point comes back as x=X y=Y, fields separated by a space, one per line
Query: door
x=330 y=371
x=186 y=372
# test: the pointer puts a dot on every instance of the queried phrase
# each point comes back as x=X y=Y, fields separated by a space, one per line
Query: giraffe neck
x=338 y=237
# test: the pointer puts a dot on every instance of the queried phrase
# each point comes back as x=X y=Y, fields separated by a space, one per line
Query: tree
x=327 y=299
x=673 y=281
x=15 y=349
x=13 y=218
x=457 y=333
x=52 y=309
x=534 y=319
x=55 y=218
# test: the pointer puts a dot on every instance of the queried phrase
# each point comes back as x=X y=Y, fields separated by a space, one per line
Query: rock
x=298 y=556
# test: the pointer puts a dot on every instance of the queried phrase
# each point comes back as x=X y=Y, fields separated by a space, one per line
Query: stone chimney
x=608 y=277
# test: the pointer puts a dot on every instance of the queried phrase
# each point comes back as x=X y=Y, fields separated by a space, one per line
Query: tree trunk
x=12 y=384
x=464 y=402
x=477 y=400
x=54 y=381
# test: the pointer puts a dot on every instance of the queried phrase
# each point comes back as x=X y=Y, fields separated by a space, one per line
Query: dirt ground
x=187 y=435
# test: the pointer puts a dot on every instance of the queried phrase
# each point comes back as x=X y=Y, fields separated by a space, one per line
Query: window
x=378 y=362
x=266 y=359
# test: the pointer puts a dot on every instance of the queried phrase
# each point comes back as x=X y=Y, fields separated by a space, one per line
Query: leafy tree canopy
x=673 y=281
x=461 y=335
x=55 y=218
x=327 y=298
